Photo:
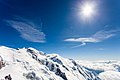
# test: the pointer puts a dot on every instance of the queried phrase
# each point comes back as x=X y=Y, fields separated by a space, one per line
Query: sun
x=87 y=10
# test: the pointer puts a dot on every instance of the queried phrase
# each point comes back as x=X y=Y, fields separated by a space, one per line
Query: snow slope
x=31 y=64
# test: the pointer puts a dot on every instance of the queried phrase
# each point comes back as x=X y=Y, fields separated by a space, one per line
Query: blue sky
x=57 y=26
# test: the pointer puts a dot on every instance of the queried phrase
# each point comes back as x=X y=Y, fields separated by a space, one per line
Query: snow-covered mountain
x=31 y=64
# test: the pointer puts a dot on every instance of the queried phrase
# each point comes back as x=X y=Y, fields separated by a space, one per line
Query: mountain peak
x=31 y=64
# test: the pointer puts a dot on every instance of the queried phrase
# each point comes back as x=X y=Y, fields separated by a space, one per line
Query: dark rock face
x=2 y=63
x=32 y=76
x=56 y=69
x=74 y=62
x=61 y=74
x=8 y=77
x=55 y=59
x=30 y=51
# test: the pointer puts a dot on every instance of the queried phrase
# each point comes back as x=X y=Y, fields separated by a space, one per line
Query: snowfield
x=31 y=64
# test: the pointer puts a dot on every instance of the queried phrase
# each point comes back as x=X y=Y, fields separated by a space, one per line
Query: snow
x=31 y=64
x=12 y=69
x=6 y=53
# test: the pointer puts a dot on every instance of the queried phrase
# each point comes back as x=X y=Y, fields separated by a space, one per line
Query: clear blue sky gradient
x=59 y=20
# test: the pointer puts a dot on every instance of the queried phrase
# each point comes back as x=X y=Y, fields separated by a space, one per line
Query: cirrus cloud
x=27 y=30
x=97 y=37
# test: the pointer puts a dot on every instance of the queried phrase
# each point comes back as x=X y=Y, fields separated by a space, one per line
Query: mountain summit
x=31 y=64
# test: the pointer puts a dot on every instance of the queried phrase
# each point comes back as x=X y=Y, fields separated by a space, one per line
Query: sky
x=77 y=29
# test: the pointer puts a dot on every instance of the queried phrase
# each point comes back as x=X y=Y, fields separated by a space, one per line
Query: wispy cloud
x=27 y=30
x=97 y=37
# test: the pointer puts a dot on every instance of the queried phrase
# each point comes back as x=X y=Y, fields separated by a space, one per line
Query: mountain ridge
x=31 y=64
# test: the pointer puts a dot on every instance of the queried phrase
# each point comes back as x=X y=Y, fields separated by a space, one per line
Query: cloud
x=27 y=30
x=89 y=39
x=83 y=44
x=97 y=37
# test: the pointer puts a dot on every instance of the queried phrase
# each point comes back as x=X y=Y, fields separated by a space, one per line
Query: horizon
x=77 y=29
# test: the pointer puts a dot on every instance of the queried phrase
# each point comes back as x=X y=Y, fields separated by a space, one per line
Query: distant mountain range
x=31 y=64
